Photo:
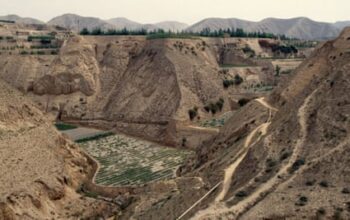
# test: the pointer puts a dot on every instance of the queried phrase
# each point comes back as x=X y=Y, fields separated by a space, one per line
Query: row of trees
x=160 y=33
x=124 y=31
x=278 y=48
x=239 y=32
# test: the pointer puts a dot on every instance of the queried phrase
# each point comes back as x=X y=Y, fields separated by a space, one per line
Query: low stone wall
x=104 y=191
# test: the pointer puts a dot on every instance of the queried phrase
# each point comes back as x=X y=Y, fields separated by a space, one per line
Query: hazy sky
x=188 y=11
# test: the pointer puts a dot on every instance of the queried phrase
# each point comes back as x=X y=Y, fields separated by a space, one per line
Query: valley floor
x=124 y=160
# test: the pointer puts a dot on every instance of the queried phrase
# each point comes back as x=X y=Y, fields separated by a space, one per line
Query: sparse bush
x=241 y=194
x=215 y=107
x=302 y=201
x=227 y=83
x=193 y=113
x=345 y=191
x=223 y=71
x=324 y=183
x=348 y=206
x=184 y=141
x=24 y=52
x=249 y=51
x=220 y=103
x=242 y=102
x=277 y=70
x=337 y=214
x=54 y=52
x=310 y=182
x=321 y=211
x=271 y=163
x=238 y=79
x=296 y=165
x=284 y=156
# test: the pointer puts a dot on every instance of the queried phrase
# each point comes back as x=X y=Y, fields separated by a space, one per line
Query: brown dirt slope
x=304 y=168
x=139 y=86
x=39 y=169
x=299 y=168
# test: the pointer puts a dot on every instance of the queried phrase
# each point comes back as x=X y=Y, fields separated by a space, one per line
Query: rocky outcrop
x=133 y=84
x=75 y=69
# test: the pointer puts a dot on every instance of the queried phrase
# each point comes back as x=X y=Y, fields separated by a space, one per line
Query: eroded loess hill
x=142 y=87
x=285 y=156
x=40 y=170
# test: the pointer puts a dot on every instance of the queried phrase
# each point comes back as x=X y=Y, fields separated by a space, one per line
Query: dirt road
x=218 y=206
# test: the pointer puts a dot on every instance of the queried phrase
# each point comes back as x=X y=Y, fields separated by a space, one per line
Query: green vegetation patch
x=129 y=161
x=227 y=66
x=96 y=137
x=65 y=127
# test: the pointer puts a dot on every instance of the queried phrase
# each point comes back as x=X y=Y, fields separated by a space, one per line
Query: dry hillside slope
x=40 y=169
x=77 y=23
x=287 y=156
x=139 y=86
x=303 y=169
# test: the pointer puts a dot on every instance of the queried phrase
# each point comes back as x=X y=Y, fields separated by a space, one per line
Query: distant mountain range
x=76 y=22
x=301 y=27
x=19 y=19
x=121 y=23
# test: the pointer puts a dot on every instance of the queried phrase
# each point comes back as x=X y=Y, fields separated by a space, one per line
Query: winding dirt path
x=203 y=128
x=232 y=168
x=272 y=184
x=218 y=206
x=239 y=209
x=261 y=130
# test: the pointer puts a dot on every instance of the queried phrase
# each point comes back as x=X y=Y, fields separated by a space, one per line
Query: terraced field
x=128 y=161
x=216 y=122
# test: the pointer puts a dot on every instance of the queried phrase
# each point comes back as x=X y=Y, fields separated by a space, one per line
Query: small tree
x=220 y=103
x=97 y=31
x=193 y=113
x=184 y=140
x=278 y=70
x=84 y=31
x=243 y=101
x=238 y=79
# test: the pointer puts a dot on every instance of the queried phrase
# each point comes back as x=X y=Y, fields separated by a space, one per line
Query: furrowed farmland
x=128 y=161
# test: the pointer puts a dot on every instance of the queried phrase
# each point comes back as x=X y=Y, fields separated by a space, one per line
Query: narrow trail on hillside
x=218 y=205
x=204 y=128
x=240 y=208
x=232 y=168
x=272 y=184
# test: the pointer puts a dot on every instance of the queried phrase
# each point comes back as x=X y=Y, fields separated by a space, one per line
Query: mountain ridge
x=298 y=27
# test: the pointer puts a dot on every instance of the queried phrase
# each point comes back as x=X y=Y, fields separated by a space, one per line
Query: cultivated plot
x=129 y=161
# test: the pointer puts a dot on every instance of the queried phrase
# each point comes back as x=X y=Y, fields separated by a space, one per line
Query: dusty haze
x=189 y=11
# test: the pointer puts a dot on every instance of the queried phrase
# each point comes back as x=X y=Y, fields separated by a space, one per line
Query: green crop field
x=128 y=161
x=64 y=127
